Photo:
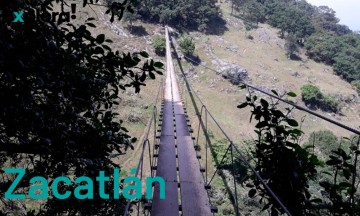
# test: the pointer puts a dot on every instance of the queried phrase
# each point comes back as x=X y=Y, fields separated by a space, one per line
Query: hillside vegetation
x=281 y=45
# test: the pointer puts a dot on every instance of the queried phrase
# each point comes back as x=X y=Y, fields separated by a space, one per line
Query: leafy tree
x=187 y=45
x=342 y=182
x=159 y=45
x=325 y=141
x=291 y=46
x=356 y=84
x=288 y=168
x=325 y=20
x=131 y=17
x=291 y=19
x=323 y=47
x=313 y=97
x=58 y=87
x=182 y=13
x=254 y=11
x=236 y=5
x=279 y=159
x=347 y=67
x=311 y=94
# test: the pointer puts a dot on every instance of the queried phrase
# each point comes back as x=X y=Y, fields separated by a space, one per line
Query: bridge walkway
x=177 y=158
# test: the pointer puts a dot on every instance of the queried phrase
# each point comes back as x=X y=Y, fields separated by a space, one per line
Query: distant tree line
x=183 y=13
x=317 y=29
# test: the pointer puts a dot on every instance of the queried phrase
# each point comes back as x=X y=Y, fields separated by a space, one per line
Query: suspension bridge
x=173 y=153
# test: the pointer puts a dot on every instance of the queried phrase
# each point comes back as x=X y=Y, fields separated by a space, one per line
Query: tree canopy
x=58 y=85
x=182 y=13
x=315 y=28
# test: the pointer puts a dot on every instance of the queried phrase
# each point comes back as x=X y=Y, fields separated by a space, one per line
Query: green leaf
x=242 y=87
x=291 y=94
x=347 y=174
x=325 y=184
x=108 y=41
x=264 y=103
x=91 y=25
x=130 y=9
x=106 y=47
x=112 y=17
x=353 y=148
x=252 y=193
x=152 y=75
x=277 y=113
x=327 y=173
x=249 y=185
x=144 y=54
x=99 y=50
x=266 y=206
x=316 y=200
x=261 y=124
x=275 y=92
x=142 y=77
x=296 y=131
x=158 y=64
x=243 y=105
x=345 y=184
x=292 y=122
x=333 y=162
x=90 y=19
x=100 y=38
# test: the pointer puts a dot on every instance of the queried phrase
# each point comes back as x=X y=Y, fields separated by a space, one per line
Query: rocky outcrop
x=234 y=73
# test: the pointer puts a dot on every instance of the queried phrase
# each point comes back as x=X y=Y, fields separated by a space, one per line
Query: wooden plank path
x=177 y=147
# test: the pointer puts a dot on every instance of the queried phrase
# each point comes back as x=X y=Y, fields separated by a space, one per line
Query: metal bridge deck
x=193 y=197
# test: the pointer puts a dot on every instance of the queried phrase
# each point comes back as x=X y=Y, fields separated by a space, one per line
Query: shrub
x=330 y=103
x=313 y=97
x=325 y=141
x=356 y=84
x=187 y=45
x=311 y=94
x=159 y=45
x=250 y=37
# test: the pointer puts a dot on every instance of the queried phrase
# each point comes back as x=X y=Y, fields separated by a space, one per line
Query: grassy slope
x=263 y=57
x=268 y=67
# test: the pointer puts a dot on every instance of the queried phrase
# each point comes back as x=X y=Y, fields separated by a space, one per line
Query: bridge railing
x=147 y=160
x=223 y=162
x=226 y=163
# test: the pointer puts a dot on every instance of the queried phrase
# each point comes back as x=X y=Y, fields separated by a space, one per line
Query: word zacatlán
x=39 y=187
x=38 y=15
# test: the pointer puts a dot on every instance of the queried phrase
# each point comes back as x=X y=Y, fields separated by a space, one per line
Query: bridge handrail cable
x=285 y=101
x=146 y=143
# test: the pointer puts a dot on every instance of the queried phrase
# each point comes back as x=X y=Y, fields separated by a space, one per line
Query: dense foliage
x=294 y=172
x=343 y=52
x=286 y=166
x=182 y=13
x=315 y=28
x=356 y=84
x=313 y=97
x=159 y=45
x=58 y=87
x=187 y=45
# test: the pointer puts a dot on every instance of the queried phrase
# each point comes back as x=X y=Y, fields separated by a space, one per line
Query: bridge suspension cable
x=285 y=101
x=230 y=148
